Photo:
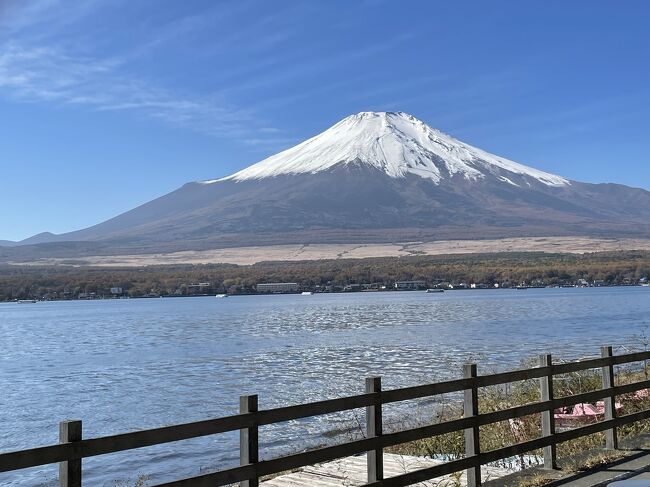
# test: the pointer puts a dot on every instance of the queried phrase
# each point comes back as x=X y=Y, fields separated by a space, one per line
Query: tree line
x=68 y=282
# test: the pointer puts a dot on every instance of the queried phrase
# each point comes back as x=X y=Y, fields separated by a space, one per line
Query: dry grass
x=571 y=454
x=536 y=480
x=251 y=255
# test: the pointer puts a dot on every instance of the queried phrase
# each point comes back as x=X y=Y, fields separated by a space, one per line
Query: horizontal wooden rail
x=139 y=439
x=77 y=449
x=126 y=441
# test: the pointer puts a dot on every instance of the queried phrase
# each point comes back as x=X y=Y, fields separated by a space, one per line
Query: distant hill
x=36 y=239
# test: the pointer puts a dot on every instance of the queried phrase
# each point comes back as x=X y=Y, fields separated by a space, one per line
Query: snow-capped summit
x=397 y=144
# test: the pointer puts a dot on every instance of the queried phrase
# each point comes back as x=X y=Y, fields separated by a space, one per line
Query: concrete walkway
x=636 y=465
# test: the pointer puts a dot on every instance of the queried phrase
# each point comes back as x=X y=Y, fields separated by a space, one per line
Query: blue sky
x=106 y=104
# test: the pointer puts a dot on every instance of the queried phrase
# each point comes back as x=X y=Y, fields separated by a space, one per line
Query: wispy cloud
x=35 y=68
x=50 y=74
x=266 y=143
x=67 y=57
x=325 y=63
x=41 y=19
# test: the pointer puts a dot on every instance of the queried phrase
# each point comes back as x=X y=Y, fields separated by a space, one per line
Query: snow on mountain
x=396 y=143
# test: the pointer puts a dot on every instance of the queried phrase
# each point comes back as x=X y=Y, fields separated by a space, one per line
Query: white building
x=403 y=285
x=277 y=287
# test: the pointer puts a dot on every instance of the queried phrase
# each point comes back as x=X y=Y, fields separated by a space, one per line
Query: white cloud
x=49 y=74
x=48 y=70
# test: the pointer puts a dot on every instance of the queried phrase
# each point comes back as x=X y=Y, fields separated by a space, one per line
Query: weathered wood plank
x=426 y=390
x=548 y=418
x=249 y=439
x=374 y=428
x=611 y=440
x=472 y=441
x=70 y=471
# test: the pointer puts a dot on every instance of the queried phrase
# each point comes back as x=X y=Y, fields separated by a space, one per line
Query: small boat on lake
x=26 y=301
x=221 y=296
x=435 y=290
x=306 y=293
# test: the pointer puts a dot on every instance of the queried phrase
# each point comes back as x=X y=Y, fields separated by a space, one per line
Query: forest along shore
x=503 y=270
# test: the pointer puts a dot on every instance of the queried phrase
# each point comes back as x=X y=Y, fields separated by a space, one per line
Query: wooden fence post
x=472 y=441
x=248 y=439
x=70 y=471
x=548 y=417
x=373 y=429
x=611 y=440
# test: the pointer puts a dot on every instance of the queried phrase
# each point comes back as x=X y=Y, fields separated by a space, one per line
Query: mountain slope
x=373 y=177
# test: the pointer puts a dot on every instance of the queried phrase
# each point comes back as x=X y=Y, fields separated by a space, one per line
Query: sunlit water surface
x=123 y=365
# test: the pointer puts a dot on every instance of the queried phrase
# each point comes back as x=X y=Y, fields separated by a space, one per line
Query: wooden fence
x=73 y=448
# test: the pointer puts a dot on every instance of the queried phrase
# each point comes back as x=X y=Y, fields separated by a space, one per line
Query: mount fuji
x=372 y=177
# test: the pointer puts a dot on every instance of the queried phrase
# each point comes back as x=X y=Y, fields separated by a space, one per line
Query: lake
x=122 y=365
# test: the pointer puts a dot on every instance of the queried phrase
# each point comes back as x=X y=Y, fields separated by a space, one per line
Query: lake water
x=123 y=365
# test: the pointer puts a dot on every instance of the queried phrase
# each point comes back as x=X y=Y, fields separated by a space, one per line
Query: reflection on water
x=130 y=364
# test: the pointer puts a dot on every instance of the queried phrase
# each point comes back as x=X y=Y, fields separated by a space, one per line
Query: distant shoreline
x=243 y=295
x=522 y=270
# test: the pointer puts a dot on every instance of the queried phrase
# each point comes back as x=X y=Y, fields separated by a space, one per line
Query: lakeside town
x=417 y=273
x=438 y=285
